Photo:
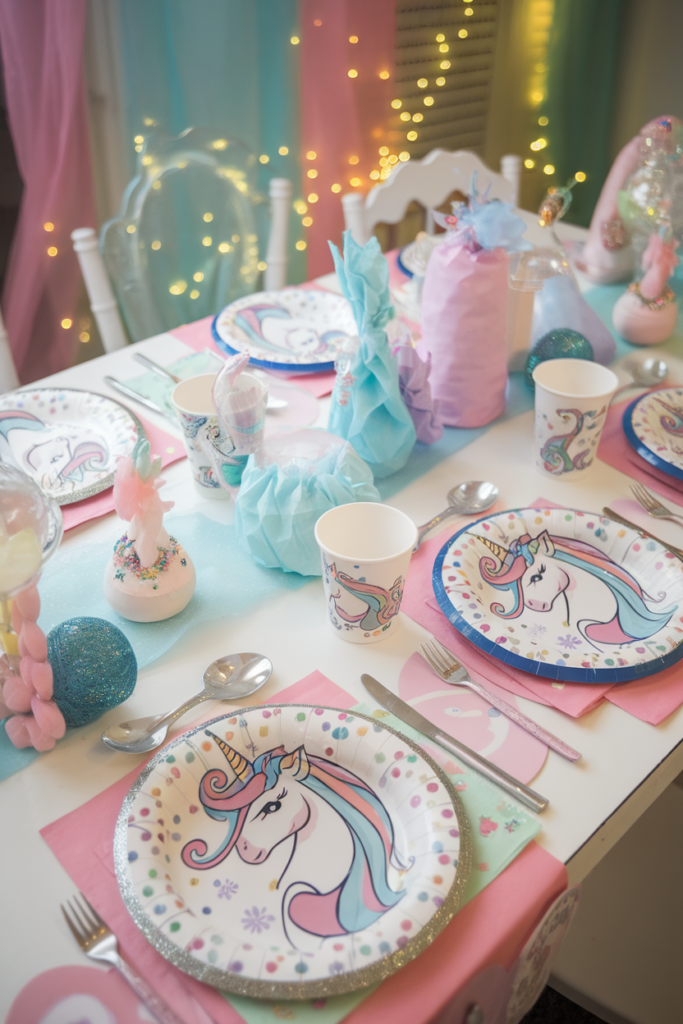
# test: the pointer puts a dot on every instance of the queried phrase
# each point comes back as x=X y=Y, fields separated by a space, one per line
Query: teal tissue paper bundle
x=367 y=407
x=283 y=494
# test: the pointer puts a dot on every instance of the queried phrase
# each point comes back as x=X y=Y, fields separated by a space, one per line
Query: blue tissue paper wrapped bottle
x=367 y=407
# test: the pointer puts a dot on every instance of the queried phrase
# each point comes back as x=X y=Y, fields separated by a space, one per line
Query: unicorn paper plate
x=67 y=440
x=563 y=594
x=653 y=426
x=291 y=851
x=300 y=330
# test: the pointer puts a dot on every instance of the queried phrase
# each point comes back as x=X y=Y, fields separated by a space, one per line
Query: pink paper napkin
x=169 y=448
x=490 y=929
x=615 y=450
x=198 y=336
x=651 y=700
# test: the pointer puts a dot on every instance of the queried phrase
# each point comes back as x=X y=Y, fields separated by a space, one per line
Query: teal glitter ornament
x=93 y=666
x=561 y=343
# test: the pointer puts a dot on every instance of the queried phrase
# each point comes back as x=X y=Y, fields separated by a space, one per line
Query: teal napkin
x=367 y=407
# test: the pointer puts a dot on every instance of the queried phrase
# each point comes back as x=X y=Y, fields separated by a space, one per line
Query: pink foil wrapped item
x=463 y=330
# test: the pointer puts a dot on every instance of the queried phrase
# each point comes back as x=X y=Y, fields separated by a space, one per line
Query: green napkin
x=153 y=386
x=500 y=830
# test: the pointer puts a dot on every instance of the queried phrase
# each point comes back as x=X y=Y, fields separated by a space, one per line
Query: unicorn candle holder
x=149 y=576
x=646 y=313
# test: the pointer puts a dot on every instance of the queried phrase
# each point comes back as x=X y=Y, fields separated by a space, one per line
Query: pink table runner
x=651 y=699
x=491 y=929
x=615 y=450
x=168 y=447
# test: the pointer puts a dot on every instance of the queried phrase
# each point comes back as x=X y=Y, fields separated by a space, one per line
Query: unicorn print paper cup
x=572 y=399
x=193 y=402
x=365 y=548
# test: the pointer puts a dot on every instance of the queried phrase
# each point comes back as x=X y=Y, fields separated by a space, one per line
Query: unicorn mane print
x=296 y=798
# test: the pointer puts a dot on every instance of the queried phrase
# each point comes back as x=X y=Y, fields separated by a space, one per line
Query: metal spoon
x=467 y=499
x=645 y=375
x=229 y=678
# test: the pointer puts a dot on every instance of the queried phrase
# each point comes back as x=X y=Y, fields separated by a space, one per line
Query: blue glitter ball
x=561 y=343
x=93 y=666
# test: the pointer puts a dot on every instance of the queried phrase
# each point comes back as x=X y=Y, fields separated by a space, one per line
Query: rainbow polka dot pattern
x=568 y=595
x=278 y=914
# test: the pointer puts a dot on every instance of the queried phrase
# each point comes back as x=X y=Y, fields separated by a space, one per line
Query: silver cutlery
x=229 y=678
x=652 y=505
x=99 y=943
x=135 y=397
x=448 y=668
x=468 y=499
x=516 y=789
x=161 y=371
x=634 y=526
x=645 y=375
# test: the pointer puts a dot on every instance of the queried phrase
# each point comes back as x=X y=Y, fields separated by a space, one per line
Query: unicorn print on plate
x=302 y=850
x=653 y=425
x=295 y=329
x=68 y=441
x=564 y=594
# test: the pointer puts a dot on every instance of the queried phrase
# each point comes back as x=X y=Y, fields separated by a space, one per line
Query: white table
x=626 y=764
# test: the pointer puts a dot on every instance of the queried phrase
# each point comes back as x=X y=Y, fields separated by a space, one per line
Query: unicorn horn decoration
x=498 y=551
x=149 y=576
x=239 y=764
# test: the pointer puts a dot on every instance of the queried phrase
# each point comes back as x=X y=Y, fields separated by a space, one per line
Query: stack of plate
x=653 y=425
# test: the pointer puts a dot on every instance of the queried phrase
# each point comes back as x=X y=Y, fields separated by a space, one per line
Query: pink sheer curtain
x=42 y=53
x=342 y=117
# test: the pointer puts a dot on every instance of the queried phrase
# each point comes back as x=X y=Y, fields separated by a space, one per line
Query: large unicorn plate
x=564 y=594
x=300 y=330
x=653 y=425
x=291 y=851
x=67 y=440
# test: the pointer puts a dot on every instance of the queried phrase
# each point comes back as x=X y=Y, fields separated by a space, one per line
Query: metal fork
x=652 y=505
x=440 y=659
x=99 y=942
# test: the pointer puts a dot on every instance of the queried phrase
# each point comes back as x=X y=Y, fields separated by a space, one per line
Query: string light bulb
x=354 y=159
x=405 y=116
x=198 y=276
x=307 y=221
x=67 y=323
x=194 y=294
x=208 y=217
x=294 y=40
x=384 y=75
x=441 y=81
x=207 y=240
x=580 y=176
x=300 y=245
x=543 y=121
x=313 y=198
x=428 y=101
x=440 y=38
x=352 y=73
x=311 y=155
x=156 y=244
x=311 y=173
x=422 y=83
x=548 y=169
x=283 y=150
x=353 y=39
x=444 y=65
x=411 y=136
x=404 y=156
x=462 y=34
x=264 y=158
x=48 y=226
x=397 y=104
x=529 y=163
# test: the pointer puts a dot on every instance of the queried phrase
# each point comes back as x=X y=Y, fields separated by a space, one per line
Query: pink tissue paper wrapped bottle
x=464 y=302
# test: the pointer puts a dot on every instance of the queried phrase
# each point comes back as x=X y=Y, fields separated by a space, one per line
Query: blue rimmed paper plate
x=563 y=594
x=67 y=440
x=292 y=851
x=297 y=330
x=653 y=426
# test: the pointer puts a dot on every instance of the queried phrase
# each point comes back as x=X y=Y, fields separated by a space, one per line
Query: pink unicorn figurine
x=149 y=577
x=659 y=260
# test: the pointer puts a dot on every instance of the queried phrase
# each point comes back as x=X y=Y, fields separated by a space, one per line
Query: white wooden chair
x=8 y=374
x=429 y=181
x=147 y=231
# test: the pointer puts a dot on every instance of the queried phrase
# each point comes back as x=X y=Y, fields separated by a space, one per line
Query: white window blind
x=457 y=117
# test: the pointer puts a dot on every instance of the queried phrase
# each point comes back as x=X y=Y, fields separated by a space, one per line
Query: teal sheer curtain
x=226 y=64
x=581 y=90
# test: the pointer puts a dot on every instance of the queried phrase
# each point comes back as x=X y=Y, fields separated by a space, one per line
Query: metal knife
x=129 y=393
x=678 y=552
x=413 y=718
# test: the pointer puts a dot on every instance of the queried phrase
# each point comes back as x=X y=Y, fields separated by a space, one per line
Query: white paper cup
x=193 y=402
x=572 y=400
x=365 y=548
